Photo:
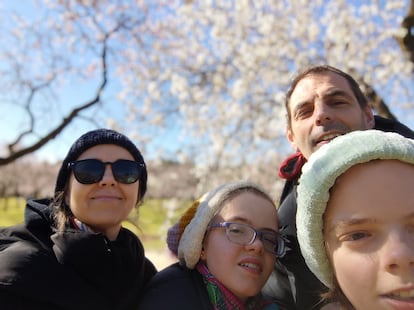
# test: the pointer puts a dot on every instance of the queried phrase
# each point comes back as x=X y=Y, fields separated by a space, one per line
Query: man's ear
x=369 y=117
x=290 y=137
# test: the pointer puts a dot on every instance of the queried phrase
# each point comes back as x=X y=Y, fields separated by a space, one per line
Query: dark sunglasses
x=89 y=171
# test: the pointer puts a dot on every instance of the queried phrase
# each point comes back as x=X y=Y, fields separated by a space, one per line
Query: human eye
x=303 y=113
x=270 y=242
x=236 y=229
x=355 y=236
x=339 y=101
x=410 y=229
x=270 y=237
x=356 y=233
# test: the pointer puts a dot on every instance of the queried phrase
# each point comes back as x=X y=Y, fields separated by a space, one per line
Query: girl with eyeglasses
x=227 y=243
x=72 y=251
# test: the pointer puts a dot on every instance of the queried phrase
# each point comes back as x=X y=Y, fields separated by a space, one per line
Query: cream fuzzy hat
x=185 y=238
x=319 y=175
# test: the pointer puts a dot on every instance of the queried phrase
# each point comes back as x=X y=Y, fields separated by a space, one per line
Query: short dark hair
x=322 y=69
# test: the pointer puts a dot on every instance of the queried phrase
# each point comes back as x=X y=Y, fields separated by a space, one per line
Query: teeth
x=404 y=294
x=250 y=265
x=330 y=137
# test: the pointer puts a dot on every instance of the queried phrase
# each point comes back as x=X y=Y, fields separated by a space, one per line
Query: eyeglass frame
x=280 y=245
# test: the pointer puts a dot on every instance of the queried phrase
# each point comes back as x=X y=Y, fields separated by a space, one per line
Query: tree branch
x=14 y=155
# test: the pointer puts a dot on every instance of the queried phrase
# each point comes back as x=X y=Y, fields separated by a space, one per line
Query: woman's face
x=242 y=269
x=369 y=234
x=103 y=205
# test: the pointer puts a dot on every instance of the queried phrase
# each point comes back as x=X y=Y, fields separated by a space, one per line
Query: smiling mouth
x=251 y=266
x=328 y=138
x=106 y=197
x=402 y=295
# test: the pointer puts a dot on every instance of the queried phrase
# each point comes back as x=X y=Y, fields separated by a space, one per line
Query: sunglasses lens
x=88 y=171
x=126 y=171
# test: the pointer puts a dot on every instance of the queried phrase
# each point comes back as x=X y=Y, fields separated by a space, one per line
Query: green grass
x=150 y=222
x=11 y=211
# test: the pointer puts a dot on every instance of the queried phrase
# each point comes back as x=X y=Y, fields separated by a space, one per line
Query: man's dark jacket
x=298 y=288
x=43 y=269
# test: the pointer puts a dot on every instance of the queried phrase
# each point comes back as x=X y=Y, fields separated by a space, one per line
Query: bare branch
x=14 y=155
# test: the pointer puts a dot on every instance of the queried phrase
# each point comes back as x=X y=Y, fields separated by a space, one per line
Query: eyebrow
x=300 y=105
x=337 y=92
x=410 y=216
x=247 y=222
x=327 y=95
x=359 y=221
x=239 y=218
x=349 y=222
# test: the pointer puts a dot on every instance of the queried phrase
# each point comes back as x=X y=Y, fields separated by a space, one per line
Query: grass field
x=11 y=211
x=150 y=222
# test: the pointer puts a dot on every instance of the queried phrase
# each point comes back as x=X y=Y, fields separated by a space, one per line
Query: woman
x=355 y=220
x=227 y=245
x=72 y=251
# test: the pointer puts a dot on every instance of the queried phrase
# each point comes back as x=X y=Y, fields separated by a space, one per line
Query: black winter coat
x=43 y=269
x=298 y=288
x=176 y=287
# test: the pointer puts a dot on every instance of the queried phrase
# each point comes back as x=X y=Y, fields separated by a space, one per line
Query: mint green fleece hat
x=319 y=175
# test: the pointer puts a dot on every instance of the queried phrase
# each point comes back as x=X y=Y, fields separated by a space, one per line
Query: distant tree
x=211 y=73
x=406 y=39
x=28 y=177
x=171 y=179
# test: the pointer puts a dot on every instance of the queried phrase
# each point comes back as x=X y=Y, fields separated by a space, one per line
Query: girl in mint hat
x=355 y=219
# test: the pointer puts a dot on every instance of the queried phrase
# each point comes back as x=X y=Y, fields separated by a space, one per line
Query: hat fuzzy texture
x=195 y=223
x=91 y=139
x=175 y=232
x=319 y=175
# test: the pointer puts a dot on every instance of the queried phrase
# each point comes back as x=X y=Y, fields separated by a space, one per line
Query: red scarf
x=290 y=169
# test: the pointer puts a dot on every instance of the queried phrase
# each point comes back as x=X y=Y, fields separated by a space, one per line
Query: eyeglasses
x=91 y=171
x=243 y=234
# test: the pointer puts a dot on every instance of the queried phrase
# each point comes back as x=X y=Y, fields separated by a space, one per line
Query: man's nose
x=322 y=114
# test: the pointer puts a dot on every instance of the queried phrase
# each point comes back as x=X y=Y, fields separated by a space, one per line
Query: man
x=322 y=103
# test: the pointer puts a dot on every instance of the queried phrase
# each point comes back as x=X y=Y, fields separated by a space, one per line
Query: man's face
x=322 y=107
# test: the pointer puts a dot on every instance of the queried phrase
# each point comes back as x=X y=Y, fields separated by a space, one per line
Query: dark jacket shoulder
x=39 y=266
x=176 y=287
x=390 y=125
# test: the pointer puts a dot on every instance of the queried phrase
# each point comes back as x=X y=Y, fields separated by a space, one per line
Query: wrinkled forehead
x=318 y=85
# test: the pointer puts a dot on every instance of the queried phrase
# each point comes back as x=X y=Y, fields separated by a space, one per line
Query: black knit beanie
x=97 y=137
